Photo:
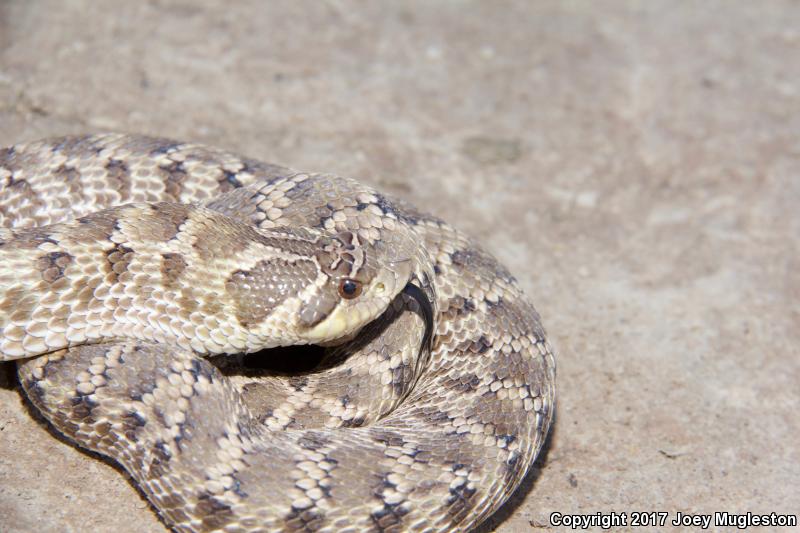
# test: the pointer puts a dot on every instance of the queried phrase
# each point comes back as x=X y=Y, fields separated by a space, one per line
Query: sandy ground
x=636 y=166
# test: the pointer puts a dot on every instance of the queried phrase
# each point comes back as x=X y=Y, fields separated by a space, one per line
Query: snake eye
x=349 y=288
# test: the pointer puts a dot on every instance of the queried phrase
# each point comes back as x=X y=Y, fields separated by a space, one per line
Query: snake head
x=305 y=288
x=360 y=280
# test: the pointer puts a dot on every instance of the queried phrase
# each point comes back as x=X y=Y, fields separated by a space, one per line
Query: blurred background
x=635 y=165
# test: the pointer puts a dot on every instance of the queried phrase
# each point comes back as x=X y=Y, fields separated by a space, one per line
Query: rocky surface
x=636 y=166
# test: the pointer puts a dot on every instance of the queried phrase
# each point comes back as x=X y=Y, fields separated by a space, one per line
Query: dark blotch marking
x=265 y=416
x=401 y=379
x=508 y=439
x=76 y=145
x=301 y=190
x=404 y=212
x=298 y=382
x=387 y=437
x=166 y=221
x=237 y=488
x=141 y=388
x=202 y=368
x=390 y=516
x=173 y=504
x=163 y=147
x=131 y=423
x=213 y=513
x=436 y=416
x=81 y=408
x=462 y=498
x=480 y=261
x=491 y=306
x=119 y=176
x=512 y=460
x=117 y=261
x=465 y=383
x=305 y=520
x=459 y=307
x=479 y=346
x=355 y=422
x=98 y=226
x=175 y=175
x=20 y=186
x=160 y=461
x=265 y=174
x=511 y=472
x=52 y=265
x=232 y=180
x=67 y=174
x=172 y=267
x=35 y=392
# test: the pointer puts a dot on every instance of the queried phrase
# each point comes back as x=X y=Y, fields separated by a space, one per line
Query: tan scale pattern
x=126 y=260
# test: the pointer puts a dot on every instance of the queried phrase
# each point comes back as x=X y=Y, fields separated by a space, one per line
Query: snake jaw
x=341 y=323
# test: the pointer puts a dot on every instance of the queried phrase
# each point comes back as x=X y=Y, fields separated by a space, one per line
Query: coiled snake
x=129 y=264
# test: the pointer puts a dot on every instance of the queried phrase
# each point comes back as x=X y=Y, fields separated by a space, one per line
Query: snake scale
x=136 y=272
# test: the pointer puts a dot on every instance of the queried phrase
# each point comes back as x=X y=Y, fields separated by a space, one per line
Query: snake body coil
x=129 y=264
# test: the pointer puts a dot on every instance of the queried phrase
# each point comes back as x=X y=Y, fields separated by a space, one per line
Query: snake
x=263 y=349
